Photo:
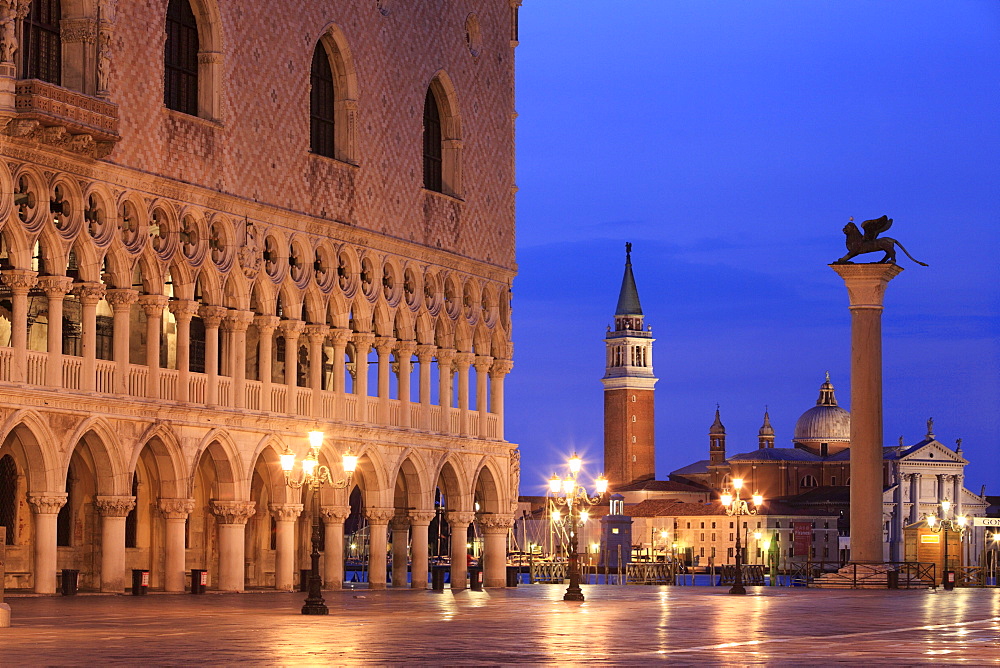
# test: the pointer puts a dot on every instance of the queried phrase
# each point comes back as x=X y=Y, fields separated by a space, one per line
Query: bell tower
x=629 y=439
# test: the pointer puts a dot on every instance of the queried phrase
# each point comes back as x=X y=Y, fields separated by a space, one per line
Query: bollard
x=437 y=577
x=140 y=581
x=513 y=575
x=199 y=580
x=476 y=578
x=70 y=582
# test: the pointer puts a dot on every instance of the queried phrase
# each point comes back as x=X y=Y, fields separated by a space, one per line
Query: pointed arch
x=451 y=480
x=236 y=292
x=193 y=58
x=487 y=491
x=412 y=489
x=313 y=305
x=99 y=442
x=291 y=301
x=338 y=311
x=442 y=137
x=31 y=431
x=211 y=290
x=222 y=452
x=166 y=455
x=267 y=463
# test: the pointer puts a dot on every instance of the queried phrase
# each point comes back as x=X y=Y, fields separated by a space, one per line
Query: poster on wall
x=802 y=532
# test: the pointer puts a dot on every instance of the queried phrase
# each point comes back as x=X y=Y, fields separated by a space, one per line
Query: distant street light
x=737 y=507
x=569 y=493
x=946 y=524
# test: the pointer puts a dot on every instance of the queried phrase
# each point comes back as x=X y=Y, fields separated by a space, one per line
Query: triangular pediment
x=931 y=451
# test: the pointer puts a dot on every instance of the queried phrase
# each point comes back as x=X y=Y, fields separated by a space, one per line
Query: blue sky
x=730 y=142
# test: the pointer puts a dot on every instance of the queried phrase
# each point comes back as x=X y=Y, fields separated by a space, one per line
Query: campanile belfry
x=628 y=390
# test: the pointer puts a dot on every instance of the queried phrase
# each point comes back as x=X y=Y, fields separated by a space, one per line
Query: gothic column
x=497 y=375
x=231 y=519
x=404 y=354
x=152 y=306
x=121 y=300
x=45 y=508
x=212 y=317
x=362 y=344
x=462 y=363
x=183 y=310
x=237 y=322
x=113 y=510
x=425 y=353
x=459 y=523
x=317 y=336
x=914 y=497
x=19 y=281
x=175 y=513
x=378 y=522
x=495 y=530
x=285 y=515
x=55 y=288
x=483 y=364
x=400 y=526
x=420 y=522
x=89 y=294
x=446 y=366
x=956 y=494
x=291 y=330
x=265 y=325
x=866 y=284
x=333 y=541
x=383 y=346
x=339 y=336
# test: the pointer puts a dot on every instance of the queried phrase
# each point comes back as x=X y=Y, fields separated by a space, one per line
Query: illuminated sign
x=930 y=538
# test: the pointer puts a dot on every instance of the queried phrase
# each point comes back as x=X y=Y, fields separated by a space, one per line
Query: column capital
x=460 y=517
x=501 y=367
x=339 y=336
x=55 y=286
x=379 y=516
x=464 y=360
x=425 y=352
x=153 y=304
x=291 y=329
x=114 y=506
x=335 y=514
x=405 y=348
x=317 y=333
x=483 y=363
x=47 y=503
x=286 y=511
x=384 y=345
x=176 y=509
x=363 y=341
x=212 y=315
x=400 y=522
x=183 y=309
x=121 y=298
x=237 y=321
x=491 y=523
x=266 y=323
x=445 y=356
x=19 y=280
x=866 y=283
x=422 y=518
x=89 y=293
x=233 y=512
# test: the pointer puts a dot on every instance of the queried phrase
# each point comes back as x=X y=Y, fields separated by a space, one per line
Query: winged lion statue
x=859 y=243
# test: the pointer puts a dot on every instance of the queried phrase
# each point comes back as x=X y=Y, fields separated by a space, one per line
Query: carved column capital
x=335 y=514
x=483 y=363
x=47 y=503
x=114 y=506
x=400 y=522
x=421 y=518
x=460 y=517
x=363 y=342
x=212 y=315
x=425 y=353
x=19 y=280
x=55 y=286
x=317 y=333
x=233 y=512
x=183 y=309
x=405 y=349
x=78 y=30
x=501 y=367
x=291 y=329
x=152 y=305
x=495 y=524
x=445 y=357
x=384 y=345
x=176 y=509
x=266 y=323
x=464 y=360
x=339 y=336
x=379 y=516
x=237 y=321
x=866 y=283
x=121 y=298
x=286 y=511
x=89 y=293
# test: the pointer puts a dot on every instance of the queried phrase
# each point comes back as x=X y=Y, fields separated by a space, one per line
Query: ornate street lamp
x=569 y=493
x=946 y=524
x=312 y=476
x=737 y=507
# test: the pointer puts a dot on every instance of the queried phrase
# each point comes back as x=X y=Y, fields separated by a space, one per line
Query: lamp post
x=312 y=476
x=569 y=493
x=947 y=524
x=996 y=557
x=737 y=507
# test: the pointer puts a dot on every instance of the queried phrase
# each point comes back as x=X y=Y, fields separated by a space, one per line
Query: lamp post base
x=313 y=608
x=573 y=593
x=737 y=589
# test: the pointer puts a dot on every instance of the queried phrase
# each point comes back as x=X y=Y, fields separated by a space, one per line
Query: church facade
x=224 y=225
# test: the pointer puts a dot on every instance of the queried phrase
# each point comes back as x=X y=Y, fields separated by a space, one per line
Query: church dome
x=826 y=422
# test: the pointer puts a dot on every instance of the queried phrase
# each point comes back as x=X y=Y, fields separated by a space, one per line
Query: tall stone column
x=941 y=488
x=121 y=300
x=45 y=508
x=362 y=345
x=498 y=373
x=237 y=322
x=212 y=317
x=333 y=541
x=265 y=325
x=378 y=522
x=446 y=371
x=914 y=497
x=19 y=281
x=462 y=363
x=291 y=330
x=866 y=284
x=113 y=510
x=383 y=346
x=495 y=530
x=420 y=522
x=400 y=526
x=184 y=310
x=404 y=356
x=956 y=493
x=896 y=547
x=317 y=336
x=152 y=306
x=482 y=364
x=175 y=514
x=459 y=523
x=89 y=294
x=285 y=515
x=55 y=288
x=425 y=353
x=231 y=518
x=339 y=336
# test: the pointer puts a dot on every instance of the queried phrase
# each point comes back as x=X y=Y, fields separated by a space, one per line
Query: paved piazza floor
x=530 y=624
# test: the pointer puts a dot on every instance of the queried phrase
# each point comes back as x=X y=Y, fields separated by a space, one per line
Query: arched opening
x=433 y=177
x=41 y=48
x=322 y=95
x=180 y=59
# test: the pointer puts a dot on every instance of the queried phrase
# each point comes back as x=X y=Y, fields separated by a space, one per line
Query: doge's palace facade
x=224 y=224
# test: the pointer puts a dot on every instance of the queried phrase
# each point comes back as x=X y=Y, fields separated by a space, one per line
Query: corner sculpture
x=859 y=244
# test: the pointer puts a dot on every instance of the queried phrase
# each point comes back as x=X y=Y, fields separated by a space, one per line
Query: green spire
x=628 y=298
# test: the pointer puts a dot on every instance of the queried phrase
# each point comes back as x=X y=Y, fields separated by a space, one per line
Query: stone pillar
x=317 y=336
x=45 y=507
x=362 y=344
x=285 y=515
x=425 y=354
x=400 y=526
x=339 y=336
x=495 y=530
x=55 y=288
x=378 y=522
x=237 y=323
x=19 y=281
x=956 y=494
x=212 y=317
x=152 y=306
x=89 y=294
x=383 y=346
x=175 y=513
x=333 y=554
x=896 y=546
x=231 y=518
x=462 y=363
x=940 y=489
x=183 y=311
x=446 y=370
x=265 y=325
x=459 y=523
x=291 y=330
x=914 y=497
x=121 y=300
x=483 y=364
x=866 y=284
x=113 y=510
x=420 y=521
x=404 y=355
x=497 y=375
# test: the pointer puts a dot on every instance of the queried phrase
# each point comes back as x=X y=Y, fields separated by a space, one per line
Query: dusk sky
x=730 y=142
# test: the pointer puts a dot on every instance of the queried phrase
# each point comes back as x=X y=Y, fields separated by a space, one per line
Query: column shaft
x=378 y=522
x=333 y=551
x=284 y=561
x=121 y=301
x=183 y=311
x=46 y=513
x=113 y=510
x=400 y=552
x=419 y=552
x=89 y=294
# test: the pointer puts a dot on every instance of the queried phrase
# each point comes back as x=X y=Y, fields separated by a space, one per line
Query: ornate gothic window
x=321 y=105
x=432 y=143
x=41 y=51
x=180 y=59
x=8 y=496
